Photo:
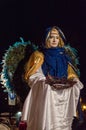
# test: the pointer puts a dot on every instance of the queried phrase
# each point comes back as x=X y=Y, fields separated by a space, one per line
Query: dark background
x=30 y=18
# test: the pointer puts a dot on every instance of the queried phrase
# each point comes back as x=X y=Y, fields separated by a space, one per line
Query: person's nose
x=54 y=39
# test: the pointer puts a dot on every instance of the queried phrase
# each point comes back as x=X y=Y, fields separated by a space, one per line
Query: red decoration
x=22 y=125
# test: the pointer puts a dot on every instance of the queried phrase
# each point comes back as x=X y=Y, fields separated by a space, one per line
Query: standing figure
x=55 y=86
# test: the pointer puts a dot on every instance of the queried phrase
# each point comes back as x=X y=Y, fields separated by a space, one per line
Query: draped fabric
x=48 y=109
x=55 y=62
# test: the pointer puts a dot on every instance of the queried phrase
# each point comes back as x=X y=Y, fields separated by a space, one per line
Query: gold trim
x=71 y=73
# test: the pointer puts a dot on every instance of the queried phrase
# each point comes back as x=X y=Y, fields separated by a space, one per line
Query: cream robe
x=46 y=108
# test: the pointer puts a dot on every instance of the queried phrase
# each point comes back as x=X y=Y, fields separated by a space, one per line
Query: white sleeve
x=78 y=83
x=38 y=76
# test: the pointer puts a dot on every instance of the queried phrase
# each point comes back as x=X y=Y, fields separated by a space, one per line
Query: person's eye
x=57 y=37
x=51 y=37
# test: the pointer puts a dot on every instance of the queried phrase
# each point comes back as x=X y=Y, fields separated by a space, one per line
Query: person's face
x=53 y=39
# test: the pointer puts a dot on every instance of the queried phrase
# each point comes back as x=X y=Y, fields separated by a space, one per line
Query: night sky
x=30 y=18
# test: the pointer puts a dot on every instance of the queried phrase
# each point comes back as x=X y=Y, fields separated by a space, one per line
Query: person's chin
x=54 y=46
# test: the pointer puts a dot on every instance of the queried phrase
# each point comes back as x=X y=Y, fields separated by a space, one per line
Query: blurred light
x=84 y=107
x=18 y=114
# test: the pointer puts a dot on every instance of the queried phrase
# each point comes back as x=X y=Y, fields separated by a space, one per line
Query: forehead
x=54 y=31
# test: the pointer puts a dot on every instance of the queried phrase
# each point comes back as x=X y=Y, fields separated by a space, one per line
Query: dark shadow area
x=78 y=125
x=20 y=86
